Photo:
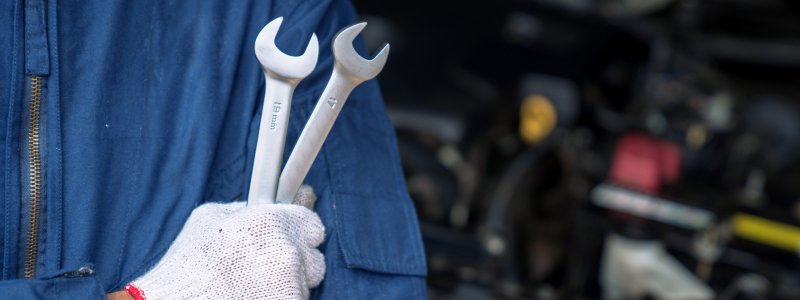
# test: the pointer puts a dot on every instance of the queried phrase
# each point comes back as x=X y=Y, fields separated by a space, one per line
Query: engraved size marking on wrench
x=332 y=102
x=274 y=121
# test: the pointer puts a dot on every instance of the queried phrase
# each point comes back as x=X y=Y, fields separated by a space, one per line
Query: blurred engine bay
x=599 y=149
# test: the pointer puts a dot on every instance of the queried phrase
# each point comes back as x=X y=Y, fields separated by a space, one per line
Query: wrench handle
x=271 y=139
x=314 y=133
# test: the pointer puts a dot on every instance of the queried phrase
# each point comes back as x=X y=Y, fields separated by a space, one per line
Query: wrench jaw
x=348 y=62
x=277 y=64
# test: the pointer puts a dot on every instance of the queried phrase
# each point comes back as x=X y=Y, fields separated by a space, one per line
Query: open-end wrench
x=349 y=70
x=283 y=73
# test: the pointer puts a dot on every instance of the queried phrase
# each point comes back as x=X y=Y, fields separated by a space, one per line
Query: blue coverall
x=120 y=117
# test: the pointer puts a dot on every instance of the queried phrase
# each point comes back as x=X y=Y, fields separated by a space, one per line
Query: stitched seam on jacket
x=12 y=91
x=345 y=272
x=417 y=234
x=54 y=92
x=136 y=158
x=55 y=287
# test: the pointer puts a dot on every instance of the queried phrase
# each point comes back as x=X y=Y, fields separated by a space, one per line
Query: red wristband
x=135 y=292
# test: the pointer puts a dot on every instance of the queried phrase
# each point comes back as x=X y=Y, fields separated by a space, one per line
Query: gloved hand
x=230 y=251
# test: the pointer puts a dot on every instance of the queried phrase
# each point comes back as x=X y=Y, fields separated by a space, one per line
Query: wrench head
x=349 y=61
x=276 y=62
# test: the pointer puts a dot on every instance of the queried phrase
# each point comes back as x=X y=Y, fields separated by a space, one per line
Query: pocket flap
x=380 y=235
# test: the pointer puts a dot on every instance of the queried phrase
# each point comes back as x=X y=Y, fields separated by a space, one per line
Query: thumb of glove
x=305 y=196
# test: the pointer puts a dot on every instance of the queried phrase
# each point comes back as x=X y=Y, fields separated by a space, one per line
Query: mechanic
x=125 y=118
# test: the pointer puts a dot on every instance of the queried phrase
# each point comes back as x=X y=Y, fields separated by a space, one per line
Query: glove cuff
x=135 y=292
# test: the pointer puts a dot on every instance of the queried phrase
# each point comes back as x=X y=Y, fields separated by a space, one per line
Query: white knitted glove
x=230 y=251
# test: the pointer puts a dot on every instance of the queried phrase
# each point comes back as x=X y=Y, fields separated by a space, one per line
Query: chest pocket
x=377 y=223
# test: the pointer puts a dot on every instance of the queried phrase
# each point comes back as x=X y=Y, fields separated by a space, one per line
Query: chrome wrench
x=283 y=73
x=349 y=70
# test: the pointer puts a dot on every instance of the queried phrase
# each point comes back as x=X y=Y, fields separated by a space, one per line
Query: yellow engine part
x=537 y=119
x=765 y=231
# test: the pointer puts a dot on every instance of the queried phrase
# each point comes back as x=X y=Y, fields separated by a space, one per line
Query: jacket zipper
x=35 y=178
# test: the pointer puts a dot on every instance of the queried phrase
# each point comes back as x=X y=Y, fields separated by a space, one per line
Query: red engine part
x=645 y=163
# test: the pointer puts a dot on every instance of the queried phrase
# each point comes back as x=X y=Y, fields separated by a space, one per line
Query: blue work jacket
x=120 y=117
